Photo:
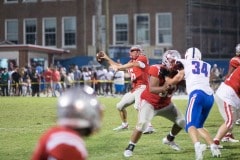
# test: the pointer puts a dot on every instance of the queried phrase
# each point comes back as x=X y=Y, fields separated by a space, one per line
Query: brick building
x=74 y=25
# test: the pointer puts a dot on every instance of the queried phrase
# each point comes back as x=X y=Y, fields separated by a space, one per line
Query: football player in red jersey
x=233 y=64
x=156 y=101
x=138 y=70
x=79 y=115
x=228 y=101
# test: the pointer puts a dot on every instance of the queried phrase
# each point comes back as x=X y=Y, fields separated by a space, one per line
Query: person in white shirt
x=118 y=81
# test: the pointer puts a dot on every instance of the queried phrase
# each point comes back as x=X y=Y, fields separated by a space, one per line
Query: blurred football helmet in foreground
x=78 y=108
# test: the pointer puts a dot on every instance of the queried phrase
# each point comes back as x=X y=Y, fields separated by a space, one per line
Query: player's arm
x=130 y=65
x=109 y=60
x=176 y=79
x=154 y=85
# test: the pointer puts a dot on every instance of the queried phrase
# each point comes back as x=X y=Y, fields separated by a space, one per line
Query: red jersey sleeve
x=235 y=62
x=153 y=70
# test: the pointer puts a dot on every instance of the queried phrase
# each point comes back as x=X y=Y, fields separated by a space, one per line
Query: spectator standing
x=77 y=75
x=101 y=76
x=109 y=83
x=56 y=78
x=35 y=80
x=87 y=75
x=15 y=81
x=118 y=81
x=47 y=74
x=4 y=82
x=69 y=79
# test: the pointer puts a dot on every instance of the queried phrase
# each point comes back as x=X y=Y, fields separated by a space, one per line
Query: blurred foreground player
x=79 y=115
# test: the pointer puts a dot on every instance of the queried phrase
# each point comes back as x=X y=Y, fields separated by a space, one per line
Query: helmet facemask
x=170 y=57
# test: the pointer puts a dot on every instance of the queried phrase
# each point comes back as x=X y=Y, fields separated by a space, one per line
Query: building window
x=142 y=29
x=164 y=29
x=26 y=1
x=49 y=31
x=120 y=28
x=10 y=1
x=103 y=31
x=69 y=32
x=30 y=30
x=11 y=33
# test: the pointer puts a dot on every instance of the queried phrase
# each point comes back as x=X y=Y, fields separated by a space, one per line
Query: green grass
x=23 y=119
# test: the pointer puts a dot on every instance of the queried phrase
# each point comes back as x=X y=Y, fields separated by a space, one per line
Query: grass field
x=23 y=119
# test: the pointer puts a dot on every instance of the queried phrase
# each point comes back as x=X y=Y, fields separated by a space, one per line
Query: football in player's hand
x=99 y=56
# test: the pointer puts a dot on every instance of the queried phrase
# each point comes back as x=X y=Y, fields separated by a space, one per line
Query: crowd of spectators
x=53 y=81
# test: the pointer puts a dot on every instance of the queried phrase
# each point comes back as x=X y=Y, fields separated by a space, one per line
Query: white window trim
x=8 y=2
x=24 y=32
x=48 y=0
x=135 y=27
x=29 y=1
x=114 y=28
x=43 y=30
x=8 y=20
x=63 y=39
x=156 y=32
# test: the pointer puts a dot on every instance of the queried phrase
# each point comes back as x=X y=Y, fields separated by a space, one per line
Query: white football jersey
x=197 y=75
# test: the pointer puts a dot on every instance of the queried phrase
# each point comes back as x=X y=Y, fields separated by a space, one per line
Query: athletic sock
x=170 y=137
x=130 y=146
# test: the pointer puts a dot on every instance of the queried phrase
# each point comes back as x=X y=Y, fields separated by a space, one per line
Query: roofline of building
x=31 y=47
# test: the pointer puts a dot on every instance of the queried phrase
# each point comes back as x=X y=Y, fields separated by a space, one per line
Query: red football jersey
x=61 y=144
x=139 y=76
x=234 y=81
x=155 y=99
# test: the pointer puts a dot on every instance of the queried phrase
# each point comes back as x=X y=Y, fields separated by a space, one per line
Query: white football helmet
x=238 y=49
x=169 y=57
x=193 y=54
x=78 y=108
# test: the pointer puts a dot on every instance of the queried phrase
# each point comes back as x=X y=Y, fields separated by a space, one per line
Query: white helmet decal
x=238 y=49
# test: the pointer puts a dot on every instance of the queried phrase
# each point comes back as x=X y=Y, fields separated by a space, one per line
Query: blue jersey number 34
x=200 y=68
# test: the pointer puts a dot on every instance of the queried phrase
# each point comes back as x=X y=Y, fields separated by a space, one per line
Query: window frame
x=147 y=30
x=63 y=32
x=7 y=33
x=170 y=29
x=32 y=33
x=115 y=30
x=29 y=1
x=10 y=2
x=44 y=31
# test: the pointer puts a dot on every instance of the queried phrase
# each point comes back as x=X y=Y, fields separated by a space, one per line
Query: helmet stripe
x=193 y=55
